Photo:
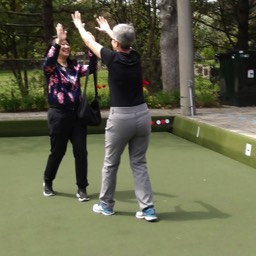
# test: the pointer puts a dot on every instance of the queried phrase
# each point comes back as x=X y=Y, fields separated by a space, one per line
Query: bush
x=206 y=93
x=16 y=104
x=10 y=104
x=27 y=103
x=162 y=99
x=40 y=102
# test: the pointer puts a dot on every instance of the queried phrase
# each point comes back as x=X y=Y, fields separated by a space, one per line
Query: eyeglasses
x=113 y=39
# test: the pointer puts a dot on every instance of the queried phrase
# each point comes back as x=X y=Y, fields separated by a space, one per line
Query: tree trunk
x=243 y=25
x=47 y=20
x=169 y=45
x=48 y=25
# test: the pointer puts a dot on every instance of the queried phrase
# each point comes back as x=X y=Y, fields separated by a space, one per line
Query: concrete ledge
x=220 y=140
x=38 y=127
x=223 y=141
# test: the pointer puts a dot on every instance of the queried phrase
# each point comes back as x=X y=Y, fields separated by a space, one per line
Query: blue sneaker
x=98 y=208
x=149 y=214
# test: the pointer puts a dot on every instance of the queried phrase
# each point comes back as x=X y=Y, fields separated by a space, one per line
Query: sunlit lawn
x=8 y=82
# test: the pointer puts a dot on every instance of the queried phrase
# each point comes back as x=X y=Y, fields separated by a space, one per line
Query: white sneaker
x=148 y=214
x=98 y=208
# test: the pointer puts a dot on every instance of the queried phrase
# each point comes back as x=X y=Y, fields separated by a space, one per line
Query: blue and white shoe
x=98 y=208
x=149 y=214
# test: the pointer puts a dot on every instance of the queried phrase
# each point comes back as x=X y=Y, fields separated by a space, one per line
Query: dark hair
x=51 y=43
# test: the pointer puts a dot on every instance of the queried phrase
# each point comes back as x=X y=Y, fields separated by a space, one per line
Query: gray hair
x=124 y=34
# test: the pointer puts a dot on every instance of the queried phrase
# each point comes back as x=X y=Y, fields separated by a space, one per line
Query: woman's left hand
x=61 y=34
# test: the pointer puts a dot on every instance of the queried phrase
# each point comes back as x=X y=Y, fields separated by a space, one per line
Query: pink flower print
x=71 y=96
x=51 y=52
x=84 y=69
x=60 y=97
x=52 y=81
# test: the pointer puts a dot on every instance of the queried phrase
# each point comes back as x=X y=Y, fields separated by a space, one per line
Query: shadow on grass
x=210 y=212
x=72 y=195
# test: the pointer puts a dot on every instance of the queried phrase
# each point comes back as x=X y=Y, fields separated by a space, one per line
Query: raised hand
x=61 y=34
x=103 y=24
x=76 y=17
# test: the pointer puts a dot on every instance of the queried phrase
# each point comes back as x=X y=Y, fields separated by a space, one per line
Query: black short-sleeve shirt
x=124 y=77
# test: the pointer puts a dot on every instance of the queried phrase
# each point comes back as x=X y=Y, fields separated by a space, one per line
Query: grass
x=205 y=204
x=7 y=79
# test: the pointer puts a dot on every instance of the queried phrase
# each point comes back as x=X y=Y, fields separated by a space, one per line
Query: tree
x=20 y=31
x=26 y=28
x=48 y=20
x=169 y=45
x=224 y=25
x=144 y=15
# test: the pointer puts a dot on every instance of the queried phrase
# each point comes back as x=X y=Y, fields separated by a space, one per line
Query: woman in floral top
x=64 y=92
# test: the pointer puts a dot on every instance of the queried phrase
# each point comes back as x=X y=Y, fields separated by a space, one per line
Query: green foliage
x=10 y=101
x=206 y=93
x=39 y=102
x=224 y=25
x=9 y=104
x=162 y=99
x=208 y=53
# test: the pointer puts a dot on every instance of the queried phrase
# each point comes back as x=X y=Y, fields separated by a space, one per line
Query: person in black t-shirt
x=129 y=117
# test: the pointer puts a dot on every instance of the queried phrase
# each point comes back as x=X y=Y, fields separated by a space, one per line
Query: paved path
x=241 y=120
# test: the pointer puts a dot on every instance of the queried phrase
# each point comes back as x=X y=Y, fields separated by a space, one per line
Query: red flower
x=101 y=86
x=145 y=83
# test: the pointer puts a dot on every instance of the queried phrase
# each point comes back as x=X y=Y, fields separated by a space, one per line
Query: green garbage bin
x=238 y=78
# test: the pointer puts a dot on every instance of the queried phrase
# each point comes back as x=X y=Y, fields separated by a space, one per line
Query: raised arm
x=87 y=37
x=61 y=34
x=104 y=26
x=53 y=50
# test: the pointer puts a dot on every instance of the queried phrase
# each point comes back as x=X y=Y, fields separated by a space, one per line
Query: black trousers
x=64 y=127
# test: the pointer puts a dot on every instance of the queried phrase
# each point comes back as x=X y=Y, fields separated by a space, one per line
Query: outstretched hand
x=103 y=24
x=76 y=17
x=61 y=34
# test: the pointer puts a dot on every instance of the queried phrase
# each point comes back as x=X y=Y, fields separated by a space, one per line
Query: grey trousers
x=127 y=126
